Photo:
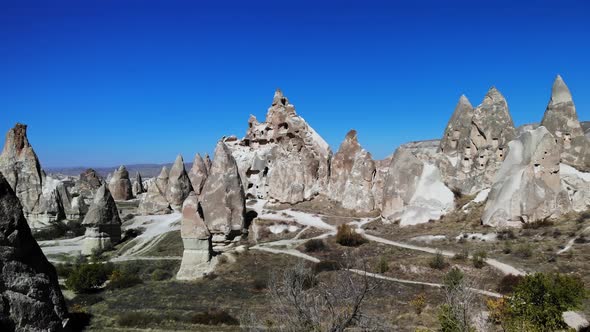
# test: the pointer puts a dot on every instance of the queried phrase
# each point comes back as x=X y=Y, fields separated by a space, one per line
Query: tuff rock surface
x=527 y=188
x=577 y=185
x=137 y=187
x=562 y=121
x=88 y=183
x=154 y=201
x=103 y=224
x=179 y=184
x=352 y=174
x=31 y=299
x=198 y=174
x=282 y=159
x=120 y=185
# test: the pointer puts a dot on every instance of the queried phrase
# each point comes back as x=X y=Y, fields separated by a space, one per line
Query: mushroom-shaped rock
x=30 y=294
x=222 y=199
x=103 y=224
x=414 y=192
x=196 y=239
x=179 y=184
x=137 y=187
x=352 y=175
x=120 y=185
x=562 y=121
x=458 y=129
x=527 y=187
x=198 y=174
x=154 y=201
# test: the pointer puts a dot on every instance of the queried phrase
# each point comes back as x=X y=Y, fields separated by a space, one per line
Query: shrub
x=383 y=265
x=453 y=278
x=214 y=317
x=506 y=234
x=120 y=280
x=348 y=237
x=60 y=229
x=524 y=250
x=64 y=269
x=437 y=261
x=88 y=277
x=581 y=240
x=161 y=274
x=462 y=255
x=479 y=259
x=130 y=233
x=507 y=247
x=418 y=303
x=315 y=245
x=538 y=224
x=508 y=283
x=138 y=319
x=325 y=266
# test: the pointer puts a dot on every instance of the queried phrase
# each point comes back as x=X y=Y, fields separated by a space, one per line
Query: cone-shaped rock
x=179 y=184
x=137 y=187
x=30 y=293
x=103 y=224
x=527 y=186
x=196 y=239
x=120 y=185
x=458 y=129
x=154 y=201
x=198 y=174
x=562 y=121
x=352 y=174
x=88 y=183
x=222 y=199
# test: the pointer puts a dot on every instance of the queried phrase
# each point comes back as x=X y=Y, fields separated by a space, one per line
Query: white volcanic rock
x=562 y=121
x=137 y=187
x=30 y=297
x=413 y=191
x=120 y=185
x=179 y=184
x=351 y=178
x=382 y=169
x=198 y=174
x=103 y=224
x=577 y=185
x=471 y=166
x=154 y=201
x=527 y=187
x=282 y=159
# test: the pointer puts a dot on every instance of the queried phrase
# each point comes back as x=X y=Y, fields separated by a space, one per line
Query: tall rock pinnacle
x=179 y=184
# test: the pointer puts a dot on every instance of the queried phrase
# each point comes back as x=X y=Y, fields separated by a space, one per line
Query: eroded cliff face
x=282 y=159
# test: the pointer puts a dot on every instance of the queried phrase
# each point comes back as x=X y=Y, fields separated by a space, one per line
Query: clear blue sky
x=105 y=82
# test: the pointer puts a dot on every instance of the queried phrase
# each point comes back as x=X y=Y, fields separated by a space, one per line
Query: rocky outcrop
x=473 y=163
x=527 y=187
x=120 y=185
x=154 y=201
x=214 y=224
x=282 y=159
x=208 y=162
x=577 y=185
x=137 y=187
x=198 y=174
x=103 y=224
x=352 y=174
x=179 y=184
x=413 y=191
x=88 y=183
x=31 y=299
x=562 y=121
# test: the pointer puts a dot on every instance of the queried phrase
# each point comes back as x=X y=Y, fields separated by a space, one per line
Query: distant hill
x=146 y=170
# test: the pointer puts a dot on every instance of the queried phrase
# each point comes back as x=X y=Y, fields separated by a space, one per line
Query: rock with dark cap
x=120 y=185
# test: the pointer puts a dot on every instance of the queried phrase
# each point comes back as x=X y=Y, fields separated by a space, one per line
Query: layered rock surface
x=154 y=201
x=137 y=187
x=179 y=184
x=282 y=159
x=103 y=224
x=31 y=299
x=196 y=240
x=198 y=173
x=562 y=121
x=527 y=187
x=88 y=183
x=120 y=185
x=352 y=174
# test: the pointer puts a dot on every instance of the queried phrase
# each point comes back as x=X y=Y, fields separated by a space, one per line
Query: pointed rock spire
x=31 y=297
x=138 y=185
x=103 y=224
x=456 y=135
x=120 y=185
x=208 y=162
x=198 y=174
x=179 y=184
x=154 y=201
x=560 y=93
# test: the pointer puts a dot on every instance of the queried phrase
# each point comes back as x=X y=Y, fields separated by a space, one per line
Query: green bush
x=85 y=278
x=60 y=229
x=382 y=265
x=462 y=255
x=508 y=283
x=214 y=317
x=523 y=250
x=453 y=278
x=315 y=245
x=437 y=261
x=348 y=237
x=120 y=280
x=138 y=319
x=161 y=274
x=479 y=259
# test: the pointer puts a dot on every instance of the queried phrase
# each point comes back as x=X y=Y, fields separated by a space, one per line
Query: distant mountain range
x=146 y=170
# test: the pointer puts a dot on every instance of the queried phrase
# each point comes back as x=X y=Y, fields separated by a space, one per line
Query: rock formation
x=198 y=174
x=103 y=225
x=471 y=165
x=562 y=121
x=208 y=162
x=120 y=185
x=154 y=201
x=352 y=174
x=413 y=191
x=179 y=184
x=31 y=299
x=577 y=185
x=282 y=159
x=527 y=187
x=88 y=183
x=214 y=224
x=137 y=187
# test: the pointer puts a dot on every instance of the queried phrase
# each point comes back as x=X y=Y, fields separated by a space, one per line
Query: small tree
x=419 y=303
x=456 y=312
x=479 y=259
x=438 y=261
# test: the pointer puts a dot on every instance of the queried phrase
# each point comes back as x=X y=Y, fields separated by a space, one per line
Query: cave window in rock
x=265 y=172
x=284 y=101
x=567 y=139
x=290 y=135
x=262 y=141
x=251 y=172
x=250 y=185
